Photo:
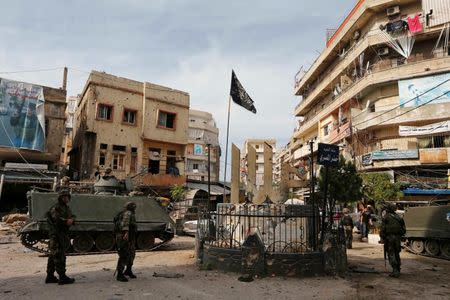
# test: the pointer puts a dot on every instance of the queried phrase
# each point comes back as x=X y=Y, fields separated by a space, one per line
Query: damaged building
x=31 y=133
x=132 y=128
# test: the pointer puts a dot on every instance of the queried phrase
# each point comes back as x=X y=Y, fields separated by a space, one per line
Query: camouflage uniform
x=126 y=248
x=59 y=240
x=391 y=233
x=347 y=223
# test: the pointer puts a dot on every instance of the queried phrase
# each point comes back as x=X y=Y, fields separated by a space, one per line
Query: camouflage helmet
x=62 y=193
x=130 y=205
x=345 y=210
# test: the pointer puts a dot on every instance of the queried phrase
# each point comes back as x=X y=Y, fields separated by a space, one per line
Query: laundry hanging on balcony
x=414 y=24
x=402 y=43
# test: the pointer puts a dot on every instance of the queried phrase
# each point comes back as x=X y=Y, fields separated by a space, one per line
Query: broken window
x=153 y=162
x=119 y=148
x=166 y=119
x=133 y=160
x=102 y=159
x=103 y=146
x=104 y=112
x=129 y=116
x=118 y=161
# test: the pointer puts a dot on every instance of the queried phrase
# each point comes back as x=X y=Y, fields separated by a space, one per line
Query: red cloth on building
x=414 y=24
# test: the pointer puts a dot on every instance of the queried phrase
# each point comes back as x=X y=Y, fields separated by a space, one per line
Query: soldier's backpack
x=395 y=224
x=117 y=221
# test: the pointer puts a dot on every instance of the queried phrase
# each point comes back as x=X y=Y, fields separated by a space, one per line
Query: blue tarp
x=426 y=192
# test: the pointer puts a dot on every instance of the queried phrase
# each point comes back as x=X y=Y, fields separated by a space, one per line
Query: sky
x=187 y=45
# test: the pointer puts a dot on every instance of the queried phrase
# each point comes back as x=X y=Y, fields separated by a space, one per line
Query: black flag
x=239 y=95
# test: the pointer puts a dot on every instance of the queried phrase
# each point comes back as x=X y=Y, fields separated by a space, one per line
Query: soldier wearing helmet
x=391 y=233
x=347 y=223
x=125 y=229
x=59 y=220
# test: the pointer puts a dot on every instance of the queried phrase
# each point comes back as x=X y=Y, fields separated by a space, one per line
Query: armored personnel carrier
x=428 y=230
x=93 y=229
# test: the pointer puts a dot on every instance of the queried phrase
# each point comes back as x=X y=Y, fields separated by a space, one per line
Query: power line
x=31 y=71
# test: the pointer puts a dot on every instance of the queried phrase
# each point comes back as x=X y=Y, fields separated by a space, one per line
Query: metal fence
x=282 y=228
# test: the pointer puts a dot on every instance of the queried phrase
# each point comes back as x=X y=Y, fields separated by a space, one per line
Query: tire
x=105 y=241
x=145 y=240
x=83 y=242
x=432 y=247
x=445 y=249
x=417 y=246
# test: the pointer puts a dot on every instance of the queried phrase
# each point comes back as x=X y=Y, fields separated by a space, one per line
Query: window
x=129 y=116
x=102 y=159
x=166 y=119
x=153 y=162
x=118 y=161
x=133 y=161
x=170 y=162
x=326 y=130
x=257 y=156
x=104 y=112
x=63 y=150
x=103 y=146
x=119 y=148
x=195 y=167
x=256 y=146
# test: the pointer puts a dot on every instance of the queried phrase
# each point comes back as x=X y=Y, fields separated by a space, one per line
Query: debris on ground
x=362 y=269
x=168 y=275
x=12 y=218
x=246 y=278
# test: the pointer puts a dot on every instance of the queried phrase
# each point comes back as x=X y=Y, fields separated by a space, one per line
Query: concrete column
x=251 y=168
x=2 y=180
x=235 y=164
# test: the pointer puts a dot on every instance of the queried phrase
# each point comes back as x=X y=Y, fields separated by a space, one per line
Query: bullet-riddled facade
x=130 y=127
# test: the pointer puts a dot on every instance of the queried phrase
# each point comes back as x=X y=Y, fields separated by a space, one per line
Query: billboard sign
x=424 y=90
x=395 y=154
x=328 y=155
x=198 y=150
x=22 y=120
x=424 y=130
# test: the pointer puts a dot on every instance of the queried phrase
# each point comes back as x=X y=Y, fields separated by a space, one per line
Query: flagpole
x=226 y=149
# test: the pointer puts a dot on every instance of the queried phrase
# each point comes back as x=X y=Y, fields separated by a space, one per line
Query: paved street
x=22 y=275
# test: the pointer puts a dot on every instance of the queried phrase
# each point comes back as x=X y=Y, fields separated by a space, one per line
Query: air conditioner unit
x=392 y=11
x=383 y=51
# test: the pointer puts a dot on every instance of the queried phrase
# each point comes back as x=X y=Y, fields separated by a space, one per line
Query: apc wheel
x=83 y=242
x=445 y=249
x=105 y=241
x=29 y=239
x=145 y=240
x=417 y=246
x=432 y=247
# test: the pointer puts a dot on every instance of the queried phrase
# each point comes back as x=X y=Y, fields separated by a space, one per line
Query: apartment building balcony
x=401 y=115
x=383 y=74
x=304 y=151
x=338 y=133
x=335 y=69
x=203 y=157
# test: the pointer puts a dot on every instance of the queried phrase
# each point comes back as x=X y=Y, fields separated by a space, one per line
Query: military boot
x=51 y=278
x=121 y=277
x=63 y=279
x=129 y=273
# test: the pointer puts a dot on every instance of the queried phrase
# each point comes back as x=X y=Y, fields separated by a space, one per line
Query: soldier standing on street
x=125 y=229
x=391 y=233
x=347 y=223
x=59 y=220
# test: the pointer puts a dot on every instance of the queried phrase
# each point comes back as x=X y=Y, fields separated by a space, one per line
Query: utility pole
x=64 y=85
x=311 y=193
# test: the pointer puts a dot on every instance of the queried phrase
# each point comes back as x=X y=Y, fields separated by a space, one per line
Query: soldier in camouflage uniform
x=59 y=220
x=391 y=233
x=125 y=228
x=347 y=223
